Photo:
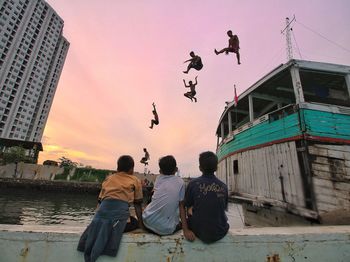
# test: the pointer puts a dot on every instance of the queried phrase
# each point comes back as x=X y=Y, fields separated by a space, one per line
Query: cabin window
x=235 y=167
x=324 y=87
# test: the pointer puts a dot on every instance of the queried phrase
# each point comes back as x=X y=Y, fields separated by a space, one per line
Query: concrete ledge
x=52 y=186
x=58 y=243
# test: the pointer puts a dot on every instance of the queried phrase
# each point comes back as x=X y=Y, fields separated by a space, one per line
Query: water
x=34 y=207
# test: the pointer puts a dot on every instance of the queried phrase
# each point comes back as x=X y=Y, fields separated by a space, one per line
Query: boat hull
x=296 y=163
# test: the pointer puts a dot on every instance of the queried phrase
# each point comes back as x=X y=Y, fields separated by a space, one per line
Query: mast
x=289 y=41
x=289 y=47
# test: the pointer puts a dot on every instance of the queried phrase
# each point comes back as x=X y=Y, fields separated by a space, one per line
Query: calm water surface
x=33 y=207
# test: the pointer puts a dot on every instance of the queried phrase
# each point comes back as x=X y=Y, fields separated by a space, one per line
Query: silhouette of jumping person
x=145 y=159
x=154 y=121
x=192 y=91
x=195 y=62
x=233 y=46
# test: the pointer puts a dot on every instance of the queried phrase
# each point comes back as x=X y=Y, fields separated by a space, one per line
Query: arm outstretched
x=185 y=83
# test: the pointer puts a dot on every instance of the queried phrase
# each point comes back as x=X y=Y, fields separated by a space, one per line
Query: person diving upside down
x=154 y=121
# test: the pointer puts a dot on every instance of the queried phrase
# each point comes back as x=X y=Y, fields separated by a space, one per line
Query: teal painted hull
x=326 y=124
x=303 y=123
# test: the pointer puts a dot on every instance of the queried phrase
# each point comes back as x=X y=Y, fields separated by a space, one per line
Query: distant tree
x=15 y=154
x=66 y=162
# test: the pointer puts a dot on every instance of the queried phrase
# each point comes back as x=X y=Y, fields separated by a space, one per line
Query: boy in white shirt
x=161 y=216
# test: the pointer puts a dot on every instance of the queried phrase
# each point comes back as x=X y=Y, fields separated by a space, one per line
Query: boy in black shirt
x=207 y=197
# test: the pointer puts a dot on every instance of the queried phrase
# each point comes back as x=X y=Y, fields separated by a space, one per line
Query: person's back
x=162 y=215
x=118 y=191
x=207 y=196
x=193 y=89
x=197 y=62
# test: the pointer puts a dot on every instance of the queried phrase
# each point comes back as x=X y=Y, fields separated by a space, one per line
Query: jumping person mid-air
x=145 y=159
x=154 y=121
x=233 y=46
x=195 y=62
x=192 y=87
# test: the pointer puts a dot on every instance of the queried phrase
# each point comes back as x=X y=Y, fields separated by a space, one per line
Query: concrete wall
x=44 y=172
x=149 y=177
x=29 y=171
x=57 y=243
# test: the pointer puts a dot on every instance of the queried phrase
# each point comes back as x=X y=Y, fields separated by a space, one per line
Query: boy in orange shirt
x=119 y=190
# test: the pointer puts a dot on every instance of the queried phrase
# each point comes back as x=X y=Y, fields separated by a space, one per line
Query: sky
x=124 y=55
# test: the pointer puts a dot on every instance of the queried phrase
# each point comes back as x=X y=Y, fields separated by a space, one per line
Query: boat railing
x=282 y=112
x=271 y=116
x=326 y=107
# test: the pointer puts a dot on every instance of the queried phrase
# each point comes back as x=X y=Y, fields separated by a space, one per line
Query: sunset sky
x=125 y=54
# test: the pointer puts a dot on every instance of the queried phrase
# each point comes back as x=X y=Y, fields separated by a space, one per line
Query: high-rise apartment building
x=32 y=55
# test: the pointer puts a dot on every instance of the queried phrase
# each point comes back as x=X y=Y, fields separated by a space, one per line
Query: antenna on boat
x=287 y=29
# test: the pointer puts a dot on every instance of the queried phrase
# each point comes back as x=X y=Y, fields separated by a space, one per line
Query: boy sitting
x=119 y=190
x=161 y=216
x=207 y=197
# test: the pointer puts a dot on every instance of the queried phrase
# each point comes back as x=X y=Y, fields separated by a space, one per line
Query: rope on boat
x=296 y=43
x=331 y=41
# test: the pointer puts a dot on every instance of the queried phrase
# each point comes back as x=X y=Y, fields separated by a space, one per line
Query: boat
x=58 y=243
x=284 y=146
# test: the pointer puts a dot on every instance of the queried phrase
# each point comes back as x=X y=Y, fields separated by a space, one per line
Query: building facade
x=32 y=55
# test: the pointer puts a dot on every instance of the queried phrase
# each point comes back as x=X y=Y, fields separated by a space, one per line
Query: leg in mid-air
x=152 y=123
x=198 y=66
x=188 y=68
x=193 y=93
x=238 y=57
x=188 y=95
x=226 y=50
